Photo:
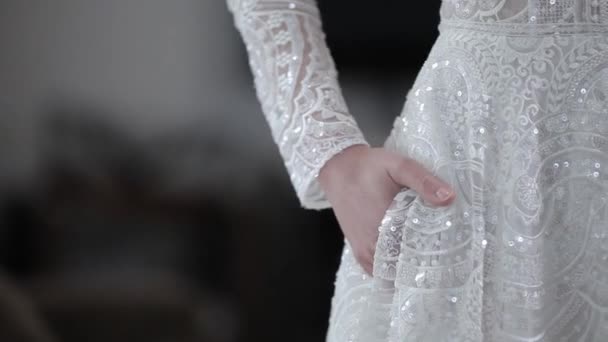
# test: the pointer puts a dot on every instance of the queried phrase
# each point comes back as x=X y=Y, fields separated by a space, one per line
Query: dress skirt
x=518 y=125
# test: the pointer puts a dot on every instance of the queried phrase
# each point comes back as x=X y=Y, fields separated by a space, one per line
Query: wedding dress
x=511 y=108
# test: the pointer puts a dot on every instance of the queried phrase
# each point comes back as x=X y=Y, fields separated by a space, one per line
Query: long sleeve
x=297 y=86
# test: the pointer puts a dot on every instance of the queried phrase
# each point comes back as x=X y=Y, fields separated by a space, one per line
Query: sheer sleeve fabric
x=297 y=86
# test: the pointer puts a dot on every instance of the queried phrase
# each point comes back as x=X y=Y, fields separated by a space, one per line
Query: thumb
x=410 y=173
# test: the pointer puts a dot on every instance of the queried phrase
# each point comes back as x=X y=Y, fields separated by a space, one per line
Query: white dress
x=511 y=108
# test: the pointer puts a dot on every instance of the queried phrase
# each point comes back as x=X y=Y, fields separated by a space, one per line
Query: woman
x=483 y=217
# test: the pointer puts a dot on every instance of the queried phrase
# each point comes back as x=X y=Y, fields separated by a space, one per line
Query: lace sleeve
x=296 y=84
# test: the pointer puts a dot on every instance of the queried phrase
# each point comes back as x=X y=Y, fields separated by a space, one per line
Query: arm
x=296 y=83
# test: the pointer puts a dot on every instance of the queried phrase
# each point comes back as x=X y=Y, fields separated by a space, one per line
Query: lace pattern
x=518 y=123
x=526 y=17
x=511 y=108
x=296 y=83
x=537 y=12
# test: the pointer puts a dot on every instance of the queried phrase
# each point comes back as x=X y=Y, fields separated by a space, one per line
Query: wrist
x=339 y=164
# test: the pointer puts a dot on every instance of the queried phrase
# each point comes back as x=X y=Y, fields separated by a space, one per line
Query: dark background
x=141 y=195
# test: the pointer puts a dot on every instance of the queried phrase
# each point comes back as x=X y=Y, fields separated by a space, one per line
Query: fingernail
x=443 y=193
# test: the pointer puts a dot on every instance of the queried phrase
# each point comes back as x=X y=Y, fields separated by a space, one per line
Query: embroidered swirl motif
x=518 y=124
x=511 y=108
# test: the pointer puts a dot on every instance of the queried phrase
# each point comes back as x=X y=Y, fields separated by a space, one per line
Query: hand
x=360 y=184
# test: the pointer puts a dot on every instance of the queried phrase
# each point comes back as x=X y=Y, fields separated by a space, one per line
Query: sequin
x=420 y=278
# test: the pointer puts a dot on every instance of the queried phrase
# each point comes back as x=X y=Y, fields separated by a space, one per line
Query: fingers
x=365 y=258
x=410 y=173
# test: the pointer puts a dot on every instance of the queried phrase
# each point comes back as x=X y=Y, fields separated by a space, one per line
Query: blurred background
x=141 y=195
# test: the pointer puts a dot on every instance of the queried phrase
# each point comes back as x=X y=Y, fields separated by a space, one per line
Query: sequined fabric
x=296 y=83
x=511 y=108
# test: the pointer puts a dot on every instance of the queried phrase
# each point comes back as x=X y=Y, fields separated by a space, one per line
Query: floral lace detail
x=511 y=108
x=516 y=119
x=296 y=83
x=525 y=17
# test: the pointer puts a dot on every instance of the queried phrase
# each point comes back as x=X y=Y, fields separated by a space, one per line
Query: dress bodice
x=527 y=16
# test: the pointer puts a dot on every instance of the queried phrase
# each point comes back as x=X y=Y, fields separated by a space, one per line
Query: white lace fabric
x=526 y=17
x=511 y=108
x=297 y=85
